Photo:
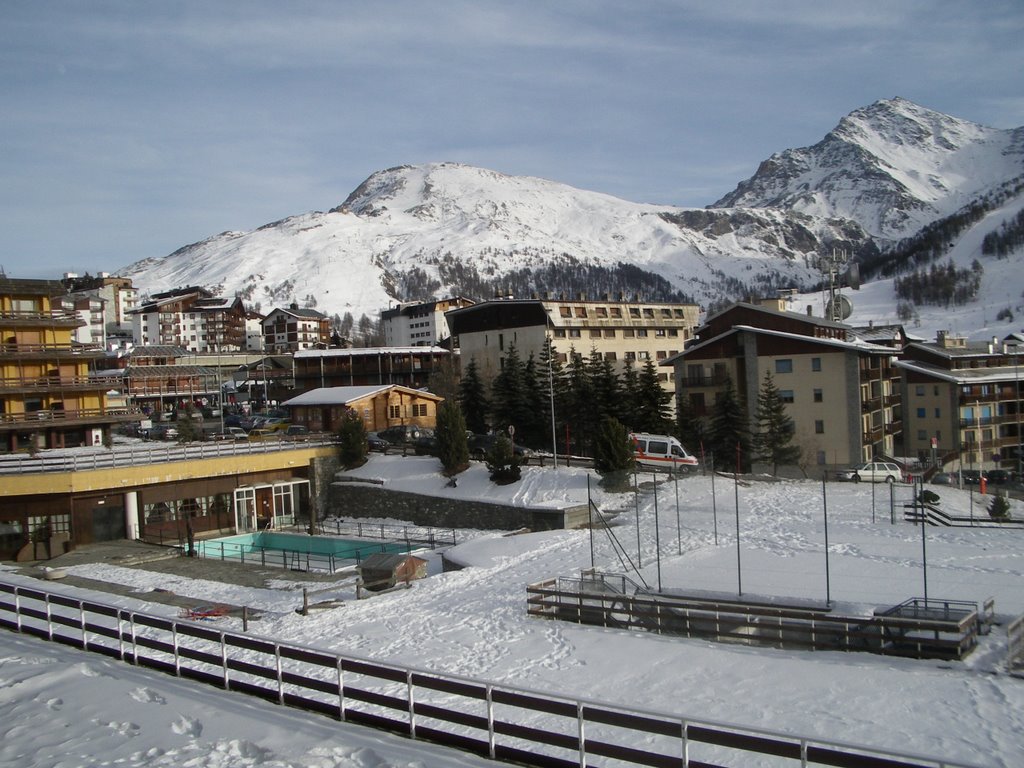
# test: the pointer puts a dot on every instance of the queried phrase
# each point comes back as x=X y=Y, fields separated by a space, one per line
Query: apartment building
x=419 y=324
x=48 y=397
x=842 y=393
x=964 y=400
x=292 y=329
x=619 y=330
x=118 y=295
x=191 y=318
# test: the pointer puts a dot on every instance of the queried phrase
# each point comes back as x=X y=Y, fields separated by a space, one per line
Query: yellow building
x=47 y=397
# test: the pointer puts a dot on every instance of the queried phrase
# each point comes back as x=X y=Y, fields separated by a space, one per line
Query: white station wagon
x=879 y=472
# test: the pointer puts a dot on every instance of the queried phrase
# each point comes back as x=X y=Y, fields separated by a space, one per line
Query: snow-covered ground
x=473 y=622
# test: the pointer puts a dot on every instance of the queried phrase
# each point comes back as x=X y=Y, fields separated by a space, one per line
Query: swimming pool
x=294 y=550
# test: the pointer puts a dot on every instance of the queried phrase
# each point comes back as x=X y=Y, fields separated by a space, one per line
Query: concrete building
x=118 y=294
x=618 y=330
x=964 y=401
x=419 y=324
x=843 y=394
x=48 y=395
x=191 y=318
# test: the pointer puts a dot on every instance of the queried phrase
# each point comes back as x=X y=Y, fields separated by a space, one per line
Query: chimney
x=810 y=311
x=581 y=297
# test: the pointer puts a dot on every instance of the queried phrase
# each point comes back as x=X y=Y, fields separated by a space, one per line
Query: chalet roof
x=25 y=286
x=369 y=351
x=167 y=371
x=307 y=313
x=853 y=346
x=809 y=319
x=346 y=395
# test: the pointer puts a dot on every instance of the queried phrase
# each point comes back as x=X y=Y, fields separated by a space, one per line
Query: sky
x=132 y=129
x=792 y=547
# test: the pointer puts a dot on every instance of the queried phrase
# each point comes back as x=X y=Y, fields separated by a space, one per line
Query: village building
x=618 y=330
x=420 y=324
x=842 y=393
x=49 y=397
x=379 y=406
x=964 y=401
x=367 y=366
x=191 y=318
x=292 y=329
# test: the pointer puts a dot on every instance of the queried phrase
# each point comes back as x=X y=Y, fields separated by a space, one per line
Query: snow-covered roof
x=856 y=346
x=993 y=375
x=369 y=351
x=346 y=395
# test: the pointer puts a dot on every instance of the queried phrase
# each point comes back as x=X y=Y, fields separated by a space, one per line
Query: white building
x=419 y=324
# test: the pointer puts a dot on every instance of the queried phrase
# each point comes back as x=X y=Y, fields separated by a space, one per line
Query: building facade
x=420 y=324
x=49 y=397
x=294 y=329
x=380 y=407
x=964 y=401
x=843 y=394
x=367 y=366
x=191 y=318
x=618 y=330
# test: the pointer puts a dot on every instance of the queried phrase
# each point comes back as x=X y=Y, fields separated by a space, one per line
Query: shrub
x=452 y=447
x=502 y=462
x=613 y=455
x=999 y=509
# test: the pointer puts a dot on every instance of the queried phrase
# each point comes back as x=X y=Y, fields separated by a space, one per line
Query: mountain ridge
x=412 y=231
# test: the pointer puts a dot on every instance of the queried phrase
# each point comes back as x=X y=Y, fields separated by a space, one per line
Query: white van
x=661 y=452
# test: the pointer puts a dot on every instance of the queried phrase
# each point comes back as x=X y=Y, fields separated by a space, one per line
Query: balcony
x=49 y=351
x=55 y=318
x=12 y=422
x=36 y=385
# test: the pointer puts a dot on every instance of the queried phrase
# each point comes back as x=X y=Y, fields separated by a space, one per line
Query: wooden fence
x=500 y=722
x=935 y=629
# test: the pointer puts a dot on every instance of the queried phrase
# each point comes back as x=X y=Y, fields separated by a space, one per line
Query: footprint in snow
x=55 y=704
x=147 y=696
x=187 y=726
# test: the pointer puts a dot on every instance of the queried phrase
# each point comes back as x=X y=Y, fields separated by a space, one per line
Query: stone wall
x=354 y=499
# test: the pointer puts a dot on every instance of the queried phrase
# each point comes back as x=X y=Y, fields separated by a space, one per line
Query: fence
x=937 y=629
x=410 y=534
x=1015 y=644
x=496 y=721
x=149 y=453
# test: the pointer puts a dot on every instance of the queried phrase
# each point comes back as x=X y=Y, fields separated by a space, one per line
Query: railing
x=57 y=315
x=947 y=633
x=150 y=453
x=292 y=559
x=500 y=722
x=1015 y=644
x=51 y=349
x=410 y=534
x=53 y=382
x=82 y=414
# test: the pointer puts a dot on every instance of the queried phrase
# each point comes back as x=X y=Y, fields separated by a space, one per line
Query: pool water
x=290 y=549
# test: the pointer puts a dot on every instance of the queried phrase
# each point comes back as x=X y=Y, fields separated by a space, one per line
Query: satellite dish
x=838 y=308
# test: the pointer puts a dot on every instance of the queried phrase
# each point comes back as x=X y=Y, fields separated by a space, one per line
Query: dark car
x=425 y=445
x=998 y=476
x=404 y=434
x=376 y=443
x=970 y=476
x=480 y=446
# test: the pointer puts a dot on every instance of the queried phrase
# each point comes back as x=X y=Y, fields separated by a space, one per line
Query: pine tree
x=729 y=431
x=774 y=438
x=629 y=412
x=452 y=446
x=535 y=430
x=691 y=428
x=652 y=402
x=502 y=462
x=509 y=405
x=604 y=383
x=473 y=400
x=352 y=447
x=613 y=454
x=552 y=378
x=579 y=404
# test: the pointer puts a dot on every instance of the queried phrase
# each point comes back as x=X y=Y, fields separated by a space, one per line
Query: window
x=784 y=366
x=419 y=409
x=819 y=427
x=919 y=390
x=634 y=312
x=616 y=311
x=629 y=356
x=938 y=411
x=609 y=356
x=641 y=333
x=786 y=395
x=815 y=363
x=644 y=355
x=595 y=333
x=628 y=333
x=559 y=333
x=609 y=333
x=581 y=311
x=922 y=434
x=394 y=411
x=818 y=396
x=602 y=311
x=564 y=312
x=574 y=333
x=821 y=458
x=659 y=333
x=921 y=412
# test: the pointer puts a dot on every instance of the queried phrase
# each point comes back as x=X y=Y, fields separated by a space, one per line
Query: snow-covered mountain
x=413 y=232
x=893 y=167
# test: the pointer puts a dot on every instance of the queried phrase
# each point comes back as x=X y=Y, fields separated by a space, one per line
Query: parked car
x=998 y=476
x=376 y=443
x=971 y=476
x=879 y=472
x=404 y=434
x=943 y=478
x=263 y=434
x=849 y=474
x=296 y=430
x=425 y=445
x=480 y=445
x=229 y=433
